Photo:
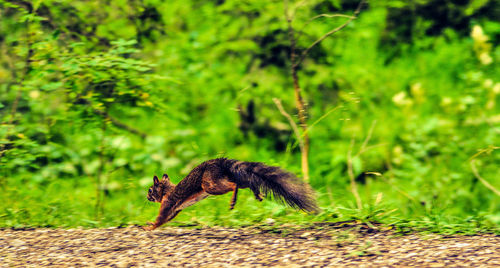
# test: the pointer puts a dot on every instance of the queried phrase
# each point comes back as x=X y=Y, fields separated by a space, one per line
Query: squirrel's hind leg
x=235 y=196
x=256 y=192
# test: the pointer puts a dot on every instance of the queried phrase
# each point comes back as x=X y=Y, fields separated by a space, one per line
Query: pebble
x=247 y=247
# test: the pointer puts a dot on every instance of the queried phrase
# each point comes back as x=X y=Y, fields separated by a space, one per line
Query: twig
x=321 y=118
x=99 y=199
x=350 y=171
x=292 y=123
x=297 y=90
x=472 y=161
x=321 y=16
x=14 y=108
x=481 y=179
x=392 y=184
x=303 y=148
x=119 y=124
x=367 y=139
x=329 y=16
x=354 y=16
x=317 y=121
x=27 y=69
x=299 y=101
x=299 y=4
x=487 y=150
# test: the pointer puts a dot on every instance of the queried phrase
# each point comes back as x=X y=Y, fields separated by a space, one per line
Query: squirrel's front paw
x=150 y=227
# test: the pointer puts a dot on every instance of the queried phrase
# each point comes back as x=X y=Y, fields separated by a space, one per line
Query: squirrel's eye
x=150 y=191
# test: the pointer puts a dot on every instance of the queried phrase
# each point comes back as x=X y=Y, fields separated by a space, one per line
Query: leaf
x=52 y=86
x=77 y=44
x=36 y=4
x=122 y=42
x=55 y=34
x=165 y=78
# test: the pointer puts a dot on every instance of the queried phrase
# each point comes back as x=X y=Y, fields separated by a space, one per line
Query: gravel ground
x=325 y=245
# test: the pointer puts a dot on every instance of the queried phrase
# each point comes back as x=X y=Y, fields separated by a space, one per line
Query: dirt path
x=348 y=245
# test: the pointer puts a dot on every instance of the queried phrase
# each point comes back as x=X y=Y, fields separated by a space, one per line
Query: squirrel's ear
x=155 y=180
x=165 y=177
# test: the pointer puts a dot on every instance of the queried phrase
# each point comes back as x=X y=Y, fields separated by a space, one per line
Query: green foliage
x=97 y=98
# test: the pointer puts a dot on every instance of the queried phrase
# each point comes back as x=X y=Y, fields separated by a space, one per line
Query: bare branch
x=304 y=147
x=321 y=118
x=350 y=169
x=292 y=123
x=368 y=148
x=472 y=161
x=329 y=16
x=120 y=124
x=481 y=179
x=393 y=185
x=299 y=101
x=99 y=196
x=487 y=150
x=27 y=69
x=301 y=31
x=354 y=16
x=297 y=6
x=367 y=139
x=287 y=16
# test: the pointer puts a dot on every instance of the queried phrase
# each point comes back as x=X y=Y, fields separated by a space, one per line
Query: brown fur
x=220 y=176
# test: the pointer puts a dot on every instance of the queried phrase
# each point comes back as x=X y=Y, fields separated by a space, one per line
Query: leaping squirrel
x=222 y=175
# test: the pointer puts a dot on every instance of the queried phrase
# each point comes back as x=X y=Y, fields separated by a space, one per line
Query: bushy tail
x=283 y=185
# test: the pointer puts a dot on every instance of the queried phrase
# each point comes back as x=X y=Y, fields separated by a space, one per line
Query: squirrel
x=222 y=175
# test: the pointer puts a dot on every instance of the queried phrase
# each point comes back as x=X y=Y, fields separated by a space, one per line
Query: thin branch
x=472 y=161
x=329 y=16
x=367 y=139
x=321 y=118
x=317 y=121
x=353 y=17
x=285 y=7
x=299 y=101
x=350 y=170
x=487 y=150
x=119 y=124
x=98 y=188
x=27 y=69
x=292 y=123
x=378 y=174
x=368 y=148
x=299 y=4
x=14 y=109
x=301 y=31
x=481 y=179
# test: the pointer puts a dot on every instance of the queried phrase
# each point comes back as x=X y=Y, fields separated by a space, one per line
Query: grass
x=435 y=107
x=60 y=205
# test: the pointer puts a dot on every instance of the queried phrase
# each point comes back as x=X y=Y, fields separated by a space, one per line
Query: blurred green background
x=96 y=97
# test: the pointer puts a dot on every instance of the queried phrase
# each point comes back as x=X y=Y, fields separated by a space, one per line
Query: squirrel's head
x=160 y=188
